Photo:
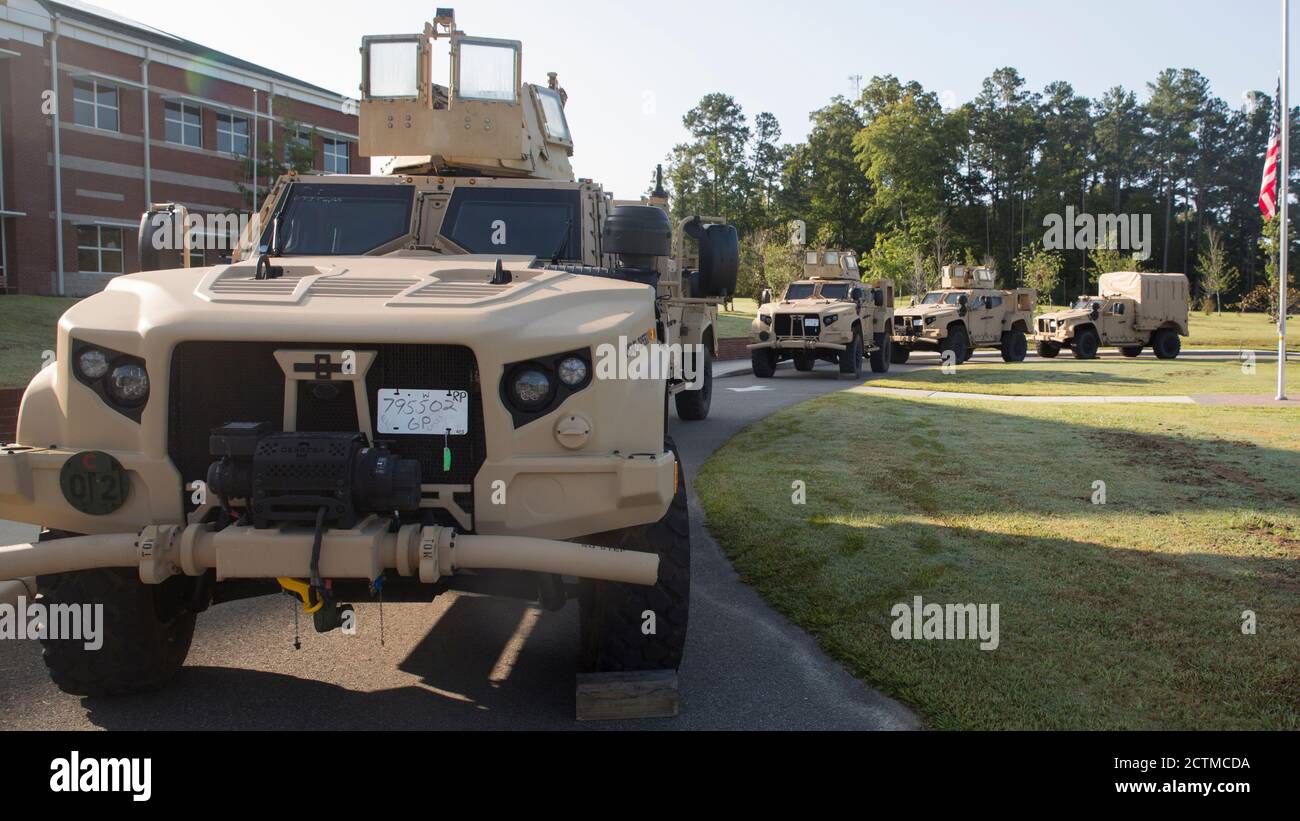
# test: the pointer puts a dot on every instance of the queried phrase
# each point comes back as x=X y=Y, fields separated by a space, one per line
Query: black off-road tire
x=764 y=362
x=899 y=354
x=804 y=361
x=881 y=356
x=1165 y=344
x=693 y=405
x=1048 y=350
x=1014 y=346
x=851 y=359
x=1086 y=343
x=1131 y=351
x=957 y=342
x=146 y=632
x=611 y=614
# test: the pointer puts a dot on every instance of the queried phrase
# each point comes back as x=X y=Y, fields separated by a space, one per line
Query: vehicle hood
x=377 y=299
x=927 y=310
x=1067 y=315
x=812 y=306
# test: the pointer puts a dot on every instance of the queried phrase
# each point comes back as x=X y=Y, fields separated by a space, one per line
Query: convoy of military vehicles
x=394 y=387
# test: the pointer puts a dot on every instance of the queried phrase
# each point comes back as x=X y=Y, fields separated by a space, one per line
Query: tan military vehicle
x=967 y=312
x=403 y=385
x=1133 y=310
x=830 y=315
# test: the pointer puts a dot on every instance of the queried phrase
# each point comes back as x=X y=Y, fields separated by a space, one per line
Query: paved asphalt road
x=468 y=662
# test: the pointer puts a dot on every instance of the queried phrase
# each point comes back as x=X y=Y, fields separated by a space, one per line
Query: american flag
x=1268 y=188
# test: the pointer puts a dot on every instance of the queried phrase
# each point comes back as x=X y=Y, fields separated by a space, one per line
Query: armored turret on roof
x=485 y=122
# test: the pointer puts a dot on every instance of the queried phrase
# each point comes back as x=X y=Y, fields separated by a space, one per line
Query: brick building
x=144 y=116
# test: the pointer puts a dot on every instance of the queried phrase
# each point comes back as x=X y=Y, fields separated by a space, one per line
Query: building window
x=184 y=124
x=299 y=147
x=232 y=134
x=336 y=156
x=99 y=249
x=94 y=104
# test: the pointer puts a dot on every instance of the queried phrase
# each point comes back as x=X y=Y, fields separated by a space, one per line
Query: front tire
x=1048 y=350
x=764 y=362
x=1086 y=343
x=612 y=615
x=1014 y=346
x=882 y=355
x=1165 y=344
x=956 y=342
x=851 y=359
x=146 y=632
x=899 y=354
x=693 y=405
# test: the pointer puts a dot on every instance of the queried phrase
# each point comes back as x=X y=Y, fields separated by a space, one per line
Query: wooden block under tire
x=640 y=694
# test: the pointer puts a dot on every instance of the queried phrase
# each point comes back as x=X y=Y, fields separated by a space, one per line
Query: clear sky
x=633 y=68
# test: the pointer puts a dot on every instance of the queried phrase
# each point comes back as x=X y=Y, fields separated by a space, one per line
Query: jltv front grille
x=797 y=325
x=213 y=383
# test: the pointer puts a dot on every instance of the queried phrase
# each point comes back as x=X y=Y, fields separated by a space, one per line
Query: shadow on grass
x=1129 y=618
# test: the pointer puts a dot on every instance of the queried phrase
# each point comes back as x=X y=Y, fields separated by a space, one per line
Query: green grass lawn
x=1232 y=330
x=27 y=328
x=736 y=323
x=1125 y=615
x=1068 y=376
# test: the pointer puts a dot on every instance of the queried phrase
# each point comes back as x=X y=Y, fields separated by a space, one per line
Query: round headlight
x=531 y=389
x=92 y=363
x=128 y=384
x=573 y=371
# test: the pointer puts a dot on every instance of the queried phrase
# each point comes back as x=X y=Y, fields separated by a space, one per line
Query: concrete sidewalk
x=909 y=393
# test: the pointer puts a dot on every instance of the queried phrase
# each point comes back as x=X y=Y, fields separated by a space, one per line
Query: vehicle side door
x=1117 y=322
x=985 y=310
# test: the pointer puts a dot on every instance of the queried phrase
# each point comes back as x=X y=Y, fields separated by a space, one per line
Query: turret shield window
x=487 y=71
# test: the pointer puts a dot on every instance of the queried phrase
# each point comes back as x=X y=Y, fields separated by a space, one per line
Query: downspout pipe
x=58 y=159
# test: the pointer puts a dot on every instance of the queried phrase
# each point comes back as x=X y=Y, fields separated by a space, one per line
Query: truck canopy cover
x=1162 y=296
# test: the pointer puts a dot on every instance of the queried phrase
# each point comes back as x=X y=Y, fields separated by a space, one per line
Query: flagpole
x=1284 y=236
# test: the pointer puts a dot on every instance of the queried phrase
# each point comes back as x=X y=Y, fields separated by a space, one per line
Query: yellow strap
x=302 y=590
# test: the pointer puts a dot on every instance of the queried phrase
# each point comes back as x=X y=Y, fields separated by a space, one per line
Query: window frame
x=228 y=118
x=95 y=105
x=99 y=249
x=168 y=120
x=329 y=157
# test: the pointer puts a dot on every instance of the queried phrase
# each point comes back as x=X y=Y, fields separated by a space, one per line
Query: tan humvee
x=445 y=378
x=1133 y=310
x=830 y=314
x=967 y=312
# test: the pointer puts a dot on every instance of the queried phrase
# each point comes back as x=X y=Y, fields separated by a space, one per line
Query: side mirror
x=878 y=297
x=988 y=303
x=163 y=241
x=764 y=297
x=911 y=303
x=1096 y=310
x=962 y=302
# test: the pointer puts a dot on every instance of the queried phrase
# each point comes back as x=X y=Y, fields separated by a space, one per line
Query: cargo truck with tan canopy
x=1132 y=310
x=394 y=390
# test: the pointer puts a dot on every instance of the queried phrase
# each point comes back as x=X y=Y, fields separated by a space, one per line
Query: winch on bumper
x=611 y=489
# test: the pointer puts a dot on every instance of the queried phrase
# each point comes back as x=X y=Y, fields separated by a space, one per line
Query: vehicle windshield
x=835 y=290
x=932 y=298
x=953 y=298
x=318 y=219
x=799 y=290
x=540 y=222
x=1084 y=303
